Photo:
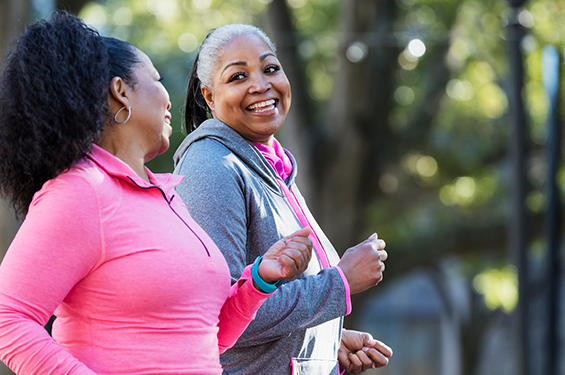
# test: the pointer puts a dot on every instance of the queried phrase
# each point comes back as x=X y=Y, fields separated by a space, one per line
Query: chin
x=163 y=150
x=164 y=147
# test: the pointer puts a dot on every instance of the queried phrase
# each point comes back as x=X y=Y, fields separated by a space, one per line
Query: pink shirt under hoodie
x=136 y=285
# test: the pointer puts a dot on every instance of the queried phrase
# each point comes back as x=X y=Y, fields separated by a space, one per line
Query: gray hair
x=216 y=40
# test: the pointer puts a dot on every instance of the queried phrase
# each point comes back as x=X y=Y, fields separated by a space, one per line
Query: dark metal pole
x=519 y=155
x=551 y=64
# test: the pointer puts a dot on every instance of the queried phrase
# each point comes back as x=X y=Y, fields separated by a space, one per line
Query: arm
x=239 y=310
x=56 y=246
x=214 y=192
x=286 y=259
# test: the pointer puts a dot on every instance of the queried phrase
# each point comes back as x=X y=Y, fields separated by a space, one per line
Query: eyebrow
x=244 y=63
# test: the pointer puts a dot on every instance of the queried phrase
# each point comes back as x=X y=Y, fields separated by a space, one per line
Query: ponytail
x=53 y=104
x=197 y=110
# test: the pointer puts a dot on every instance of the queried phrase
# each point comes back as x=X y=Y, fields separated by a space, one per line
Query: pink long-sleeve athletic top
x=136 y=285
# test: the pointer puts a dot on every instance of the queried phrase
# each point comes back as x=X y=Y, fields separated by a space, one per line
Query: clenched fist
x=287 y=258
x=363 y=265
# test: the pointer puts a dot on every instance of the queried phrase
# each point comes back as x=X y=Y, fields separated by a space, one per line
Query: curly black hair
x=54 y=101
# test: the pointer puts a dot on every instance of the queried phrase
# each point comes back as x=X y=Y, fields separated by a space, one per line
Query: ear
x=119 y=92
x=208 y=96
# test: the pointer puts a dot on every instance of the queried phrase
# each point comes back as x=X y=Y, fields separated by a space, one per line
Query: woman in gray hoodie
x=240 y=187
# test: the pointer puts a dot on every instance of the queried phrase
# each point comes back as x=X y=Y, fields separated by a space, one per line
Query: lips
x=264 y=106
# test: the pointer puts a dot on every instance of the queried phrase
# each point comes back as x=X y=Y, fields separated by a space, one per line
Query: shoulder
x=211 y=160
x=207 y=149
x=80 y=187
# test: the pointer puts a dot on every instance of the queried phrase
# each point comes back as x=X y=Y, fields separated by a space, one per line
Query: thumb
x=372 y=237
x=368 y=339
x=304 y=232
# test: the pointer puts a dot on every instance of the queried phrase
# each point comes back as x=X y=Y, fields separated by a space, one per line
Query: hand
x=363 y=264
x=359 y=351
x=287 y=258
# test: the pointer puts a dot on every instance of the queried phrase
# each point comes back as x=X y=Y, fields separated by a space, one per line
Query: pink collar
x=277 y=158
x=118 y=168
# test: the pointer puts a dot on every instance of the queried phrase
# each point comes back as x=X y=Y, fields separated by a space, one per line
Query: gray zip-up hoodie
x=232 y=192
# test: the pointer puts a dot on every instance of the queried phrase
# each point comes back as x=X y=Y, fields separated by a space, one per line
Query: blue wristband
x=264 y=286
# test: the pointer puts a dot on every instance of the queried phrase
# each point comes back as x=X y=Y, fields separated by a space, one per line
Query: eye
x=237 y=77
x=272 y=69
x=160 y=79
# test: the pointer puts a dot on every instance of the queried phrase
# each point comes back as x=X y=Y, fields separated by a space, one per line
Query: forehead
x=243 y=48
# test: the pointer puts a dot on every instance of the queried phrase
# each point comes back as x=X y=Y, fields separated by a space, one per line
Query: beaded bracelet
x=264 y=286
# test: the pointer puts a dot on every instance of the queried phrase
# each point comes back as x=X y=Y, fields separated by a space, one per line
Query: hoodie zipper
x=172 y=209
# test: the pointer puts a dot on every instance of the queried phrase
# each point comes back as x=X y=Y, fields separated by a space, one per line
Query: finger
x=294 y=262
x=373 y=237
x=290 y=265
x=383 y=255
x=288 y=241
x=355 y=361
x=380 y=346
x=378 y=245
x=304 y=232
x=368 y=339
x=298 y=251
x=378 y=358
x=343 y=358
x=365 y=360
x=302 y=244
x=299 y=240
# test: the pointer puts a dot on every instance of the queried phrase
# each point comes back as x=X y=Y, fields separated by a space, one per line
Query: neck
x=266 y=142
x=126 y=151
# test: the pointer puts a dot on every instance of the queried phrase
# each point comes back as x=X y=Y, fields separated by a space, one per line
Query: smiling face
x=150 y=108
x=250 y=92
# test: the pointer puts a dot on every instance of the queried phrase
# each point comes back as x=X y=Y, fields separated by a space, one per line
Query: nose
x=168 y=105
x=259 y=85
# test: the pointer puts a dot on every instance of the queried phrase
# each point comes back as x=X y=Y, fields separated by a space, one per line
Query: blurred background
x=435 y=123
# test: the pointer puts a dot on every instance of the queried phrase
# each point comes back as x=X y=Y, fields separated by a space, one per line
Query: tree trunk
x=347 y=170
x=296 y=134
x=13 y=17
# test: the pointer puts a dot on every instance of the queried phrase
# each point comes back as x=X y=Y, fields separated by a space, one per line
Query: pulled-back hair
x=197 y=110
x=54 y=101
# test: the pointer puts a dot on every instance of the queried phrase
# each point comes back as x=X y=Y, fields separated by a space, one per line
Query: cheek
x=165 y=96
x=284 y=88
x=229 y=103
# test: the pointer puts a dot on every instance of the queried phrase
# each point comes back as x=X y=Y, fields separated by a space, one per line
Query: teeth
x=266 y=103
x=168 y=120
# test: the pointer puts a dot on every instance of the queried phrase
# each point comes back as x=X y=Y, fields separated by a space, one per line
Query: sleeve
x=239 y=309
x=57 y=245
x=213 y=190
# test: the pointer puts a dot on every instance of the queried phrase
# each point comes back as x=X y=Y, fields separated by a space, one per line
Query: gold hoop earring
x=126 y=120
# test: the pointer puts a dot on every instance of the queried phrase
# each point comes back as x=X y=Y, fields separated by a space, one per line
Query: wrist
x=258 y=282
x=261 y=272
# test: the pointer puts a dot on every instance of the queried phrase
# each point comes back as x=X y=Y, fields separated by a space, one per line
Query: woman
x=136 y=285
x=239 y=186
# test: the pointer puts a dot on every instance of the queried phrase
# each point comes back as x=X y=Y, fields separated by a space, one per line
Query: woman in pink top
x=107 y=246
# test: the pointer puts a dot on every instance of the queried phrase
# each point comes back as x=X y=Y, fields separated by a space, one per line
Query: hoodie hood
x=238 y=145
